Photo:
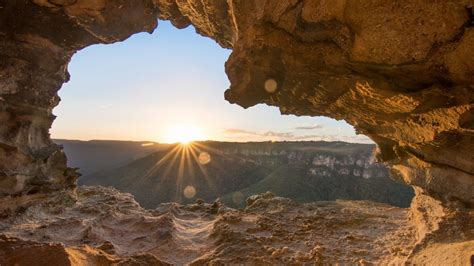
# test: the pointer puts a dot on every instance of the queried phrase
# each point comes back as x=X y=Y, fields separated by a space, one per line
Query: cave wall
x=401 y=72
x=37 y=40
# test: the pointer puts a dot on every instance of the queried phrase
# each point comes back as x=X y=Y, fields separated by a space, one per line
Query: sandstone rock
x=399 y=72
x=252 y=199
x=106 y=227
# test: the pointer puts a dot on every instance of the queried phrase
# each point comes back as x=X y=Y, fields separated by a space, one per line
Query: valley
x=302 y=171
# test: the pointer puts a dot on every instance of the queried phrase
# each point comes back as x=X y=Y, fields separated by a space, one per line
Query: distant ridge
x=304 y=171
x=98 y=155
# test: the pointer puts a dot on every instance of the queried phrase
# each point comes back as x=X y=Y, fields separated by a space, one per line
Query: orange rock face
x=400 y=72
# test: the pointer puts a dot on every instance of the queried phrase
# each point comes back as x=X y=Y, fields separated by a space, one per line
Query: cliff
x=301 y=171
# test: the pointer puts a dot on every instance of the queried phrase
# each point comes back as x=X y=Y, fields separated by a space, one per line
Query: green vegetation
x=303 y=171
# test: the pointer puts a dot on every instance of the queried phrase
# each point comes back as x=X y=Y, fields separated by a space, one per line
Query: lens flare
x=204 y=158
x=147 y=144
x=189 y=192
x=271 y=85
x=238 y=198
x=182 y=162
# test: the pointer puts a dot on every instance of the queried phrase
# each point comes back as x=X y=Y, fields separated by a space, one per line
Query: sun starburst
x=183 y=133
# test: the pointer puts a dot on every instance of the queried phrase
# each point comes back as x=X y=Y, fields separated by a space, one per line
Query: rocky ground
x=102 y=226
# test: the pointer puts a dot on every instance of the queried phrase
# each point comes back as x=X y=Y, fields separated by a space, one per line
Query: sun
x=183 y=133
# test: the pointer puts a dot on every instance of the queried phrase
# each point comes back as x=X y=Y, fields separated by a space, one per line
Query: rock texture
x=104 y=227
x=391 y=76
x=401 y=72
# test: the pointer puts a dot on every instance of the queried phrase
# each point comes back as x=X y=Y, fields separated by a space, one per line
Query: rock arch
x=400 y=72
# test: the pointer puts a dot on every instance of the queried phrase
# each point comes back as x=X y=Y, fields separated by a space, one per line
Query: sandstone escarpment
x=302 y=171
x=401 y=72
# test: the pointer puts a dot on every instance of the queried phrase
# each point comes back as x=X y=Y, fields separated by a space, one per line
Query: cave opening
x=128 y=104
x=400 y=73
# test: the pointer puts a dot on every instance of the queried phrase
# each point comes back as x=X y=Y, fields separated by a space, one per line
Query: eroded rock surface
x=401 y=72
x=104 y=224
x=385 y=67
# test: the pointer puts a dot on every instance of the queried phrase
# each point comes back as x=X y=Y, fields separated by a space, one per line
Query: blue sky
x=150 y=85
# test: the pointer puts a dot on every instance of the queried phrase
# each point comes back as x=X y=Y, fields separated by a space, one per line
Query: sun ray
x=179 y=181
x=180 y=162
x=161 y=162
x=204 y=171
x=169 y=166
x=190 y=165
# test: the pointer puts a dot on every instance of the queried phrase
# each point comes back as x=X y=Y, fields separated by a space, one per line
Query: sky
x=166 y=87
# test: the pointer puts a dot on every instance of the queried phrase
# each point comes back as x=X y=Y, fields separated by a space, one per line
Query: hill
x=303 y=171
x=98 y=155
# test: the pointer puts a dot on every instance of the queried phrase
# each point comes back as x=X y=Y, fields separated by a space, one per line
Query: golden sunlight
x=189 y=158
x=184 y=134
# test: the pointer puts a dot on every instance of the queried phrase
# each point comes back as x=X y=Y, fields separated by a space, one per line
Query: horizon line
x=210 y=140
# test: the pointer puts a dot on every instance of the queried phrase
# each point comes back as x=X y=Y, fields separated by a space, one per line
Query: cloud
x=307 y=137
x=311 y=127
x=277 y=134
x=238 y=131
x=259 y=134
x=290 y=136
